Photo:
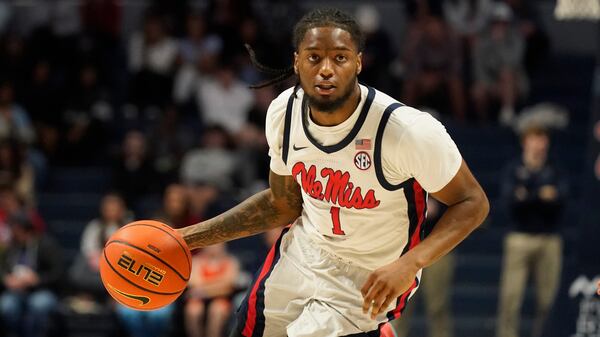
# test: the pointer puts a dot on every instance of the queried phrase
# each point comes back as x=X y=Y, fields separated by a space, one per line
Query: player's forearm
x=256 y=214
x=454 y=226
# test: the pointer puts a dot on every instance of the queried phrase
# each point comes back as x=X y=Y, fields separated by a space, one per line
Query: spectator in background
x=134 y=174
x=537 y=45
x=207 y=171
x=199 y=57
x=534 y=192
x=85 y=119
x=101 y=19
x=206 y=200
x=31 y=270
x=173 y=13
x=198 y=43
x=433 y=61
x=65 y=24
x=210 y=287
x=252 y=143
x=16 y=171
x=224 y=100
x=467 y=18
x=101 y=42
x=498 y=66
x=43 y=101
x=258 y=113
x=14 y=121
x=12 y=205
x=84 y=274
x=278 y=24
x=225 y=18
x=5 y=234
x=251 y=34
x=417 y=10
x=169 y=138
x=13 y=59
x=152 y=56
x=176 y=209
x=154 y=323
x=213 y=161
x=436 y=288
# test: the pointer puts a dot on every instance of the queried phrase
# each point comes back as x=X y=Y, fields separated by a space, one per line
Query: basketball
x=145 y=265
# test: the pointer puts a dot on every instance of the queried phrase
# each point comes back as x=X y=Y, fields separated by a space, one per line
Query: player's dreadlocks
x=324 y=17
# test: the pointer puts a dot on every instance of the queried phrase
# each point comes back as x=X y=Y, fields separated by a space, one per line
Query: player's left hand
x=385 y=284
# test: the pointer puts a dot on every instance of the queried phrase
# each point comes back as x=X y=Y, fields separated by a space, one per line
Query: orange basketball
x=145 y=265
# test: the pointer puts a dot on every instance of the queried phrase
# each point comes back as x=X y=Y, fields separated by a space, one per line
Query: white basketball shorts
x=304 y=291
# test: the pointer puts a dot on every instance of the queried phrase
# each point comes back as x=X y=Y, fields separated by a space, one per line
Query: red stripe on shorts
x=403 y=300
x=251 y=318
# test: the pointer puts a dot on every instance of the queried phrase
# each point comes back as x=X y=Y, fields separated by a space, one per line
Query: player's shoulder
x=402 y=117
x=279 y=104
x=276 y=110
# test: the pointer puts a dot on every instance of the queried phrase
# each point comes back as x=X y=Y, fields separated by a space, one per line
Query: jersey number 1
x=335 y=218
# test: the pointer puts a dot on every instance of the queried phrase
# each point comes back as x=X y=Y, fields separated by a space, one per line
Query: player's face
x=327 y=63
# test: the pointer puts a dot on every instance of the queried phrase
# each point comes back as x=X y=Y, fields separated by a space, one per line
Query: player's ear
x=296 y=63
x=358 y=63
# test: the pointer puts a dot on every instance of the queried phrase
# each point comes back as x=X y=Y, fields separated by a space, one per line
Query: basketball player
x=351 y=170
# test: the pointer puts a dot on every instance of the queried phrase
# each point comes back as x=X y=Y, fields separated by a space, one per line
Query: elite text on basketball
x=148 y=273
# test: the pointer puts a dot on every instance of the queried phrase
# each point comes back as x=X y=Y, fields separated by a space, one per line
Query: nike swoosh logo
x=296 y=148
x=145 y=300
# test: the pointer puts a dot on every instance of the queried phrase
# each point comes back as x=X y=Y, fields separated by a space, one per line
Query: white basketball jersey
x=363 y=195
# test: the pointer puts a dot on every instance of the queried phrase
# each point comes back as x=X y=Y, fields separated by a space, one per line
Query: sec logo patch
x=362 y=160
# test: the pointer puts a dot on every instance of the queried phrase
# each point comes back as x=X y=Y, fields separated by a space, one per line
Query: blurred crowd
x=166 y=106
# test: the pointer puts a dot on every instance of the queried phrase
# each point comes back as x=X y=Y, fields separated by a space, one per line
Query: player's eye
x=341 y=58
x=313 y=58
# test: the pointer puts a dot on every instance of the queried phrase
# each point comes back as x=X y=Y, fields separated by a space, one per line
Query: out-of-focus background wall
x=119 y=110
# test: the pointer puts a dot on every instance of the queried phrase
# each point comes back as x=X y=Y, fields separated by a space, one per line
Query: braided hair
x=323 y=17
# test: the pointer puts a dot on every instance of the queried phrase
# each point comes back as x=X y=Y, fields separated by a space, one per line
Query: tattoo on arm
x=286 y=190
x=277 y=206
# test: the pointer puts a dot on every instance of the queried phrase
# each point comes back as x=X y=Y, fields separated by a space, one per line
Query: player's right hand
x=385 y=284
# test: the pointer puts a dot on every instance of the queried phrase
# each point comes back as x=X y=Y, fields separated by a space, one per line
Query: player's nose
x=326 y=70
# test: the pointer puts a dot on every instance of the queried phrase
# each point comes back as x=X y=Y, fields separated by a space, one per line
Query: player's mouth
x=325 y=89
